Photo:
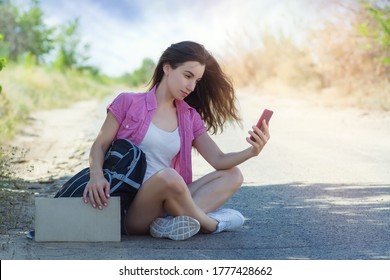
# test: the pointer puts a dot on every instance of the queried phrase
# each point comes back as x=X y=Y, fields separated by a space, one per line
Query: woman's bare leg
x=214 y=189
x=164 y=192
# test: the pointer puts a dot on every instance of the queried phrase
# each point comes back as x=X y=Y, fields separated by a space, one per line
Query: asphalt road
x=320 y=190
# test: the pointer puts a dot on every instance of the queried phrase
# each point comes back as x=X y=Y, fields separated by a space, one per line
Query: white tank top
x=160 y=147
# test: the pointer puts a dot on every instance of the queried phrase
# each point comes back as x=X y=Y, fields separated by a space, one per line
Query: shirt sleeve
x=119 y=106
x=199 y=126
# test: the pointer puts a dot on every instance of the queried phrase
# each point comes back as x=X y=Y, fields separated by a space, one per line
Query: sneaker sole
x=178 y=228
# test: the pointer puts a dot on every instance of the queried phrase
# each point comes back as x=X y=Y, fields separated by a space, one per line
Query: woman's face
x=182 y=80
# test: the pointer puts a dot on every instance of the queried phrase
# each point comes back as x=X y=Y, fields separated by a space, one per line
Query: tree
x=71 y=53
x=26 y=36
x=25 y=32
x=143 y=74
x=36 y=35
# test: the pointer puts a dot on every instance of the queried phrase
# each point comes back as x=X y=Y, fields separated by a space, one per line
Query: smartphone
x=266 y=115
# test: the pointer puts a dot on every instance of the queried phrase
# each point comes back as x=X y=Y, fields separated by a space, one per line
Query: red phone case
x=266 y=115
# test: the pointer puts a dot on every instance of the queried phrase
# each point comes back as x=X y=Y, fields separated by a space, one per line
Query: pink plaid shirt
x=134 y=113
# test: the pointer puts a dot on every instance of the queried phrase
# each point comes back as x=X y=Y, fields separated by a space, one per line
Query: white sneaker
x=177 y=228
x=228 y=219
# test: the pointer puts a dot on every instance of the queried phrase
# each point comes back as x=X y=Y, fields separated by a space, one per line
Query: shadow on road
x=316 y=221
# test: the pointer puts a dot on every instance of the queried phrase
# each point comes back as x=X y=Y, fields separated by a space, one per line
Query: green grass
x=28 y=89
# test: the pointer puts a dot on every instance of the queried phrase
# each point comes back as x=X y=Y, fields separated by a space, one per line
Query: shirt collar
x=151 y=100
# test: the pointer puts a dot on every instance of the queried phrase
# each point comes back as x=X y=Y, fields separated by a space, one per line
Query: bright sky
x=123 y=32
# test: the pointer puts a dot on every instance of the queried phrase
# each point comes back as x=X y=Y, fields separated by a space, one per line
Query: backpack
x=124 y=168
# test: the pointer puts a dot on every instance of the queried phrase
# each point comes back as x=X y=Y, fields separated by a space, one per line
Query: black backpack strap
x=125 y=178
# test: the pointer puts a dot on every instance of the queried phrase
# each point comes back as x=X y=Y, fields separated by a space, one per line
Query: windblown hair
x=214 y=96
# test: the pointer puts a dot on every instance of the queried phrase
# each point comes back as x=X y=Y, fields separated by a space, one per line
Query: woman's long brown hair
x=214 y=95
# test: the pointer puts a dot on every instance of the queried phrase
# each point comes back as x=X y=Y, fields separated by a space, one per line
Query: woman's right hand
x=97 y=192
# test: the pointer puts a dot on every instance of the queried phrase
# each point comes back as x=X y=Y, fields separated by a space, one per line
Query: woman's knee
x=171 y=181
x=235 y=177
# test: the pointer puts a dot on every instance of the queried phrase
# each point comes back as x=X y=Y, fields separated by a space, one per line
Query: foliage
x=142 y=75
x=29 y=84
x=277 y=59
x=352 y=57
x=3 y=61
x=4 y=104
x=376 y=25
x=25 y=31
x=30 y=41
x=5 y=158
x=28 y=89
x=71 y=52
x=344 y=60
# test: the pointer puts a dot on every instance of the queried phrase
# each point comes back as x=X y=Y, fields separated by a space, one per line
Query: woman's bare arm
x=219 y=160
x=97 y=190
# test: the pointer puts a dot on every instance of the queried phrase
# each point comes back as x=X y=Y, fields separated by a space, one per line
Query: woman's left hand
x=261 y=137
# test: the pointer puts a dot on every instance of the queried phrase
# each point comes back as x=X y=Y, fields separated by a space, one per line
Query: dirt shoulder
x=51 y=146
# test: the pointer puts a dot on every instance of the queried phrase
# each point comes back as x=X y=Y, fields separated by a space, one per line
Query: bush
x=375 y=24
x=346 y=59
x=142 y=75
x=28 y=89
x=3 y=61
x=352 y=58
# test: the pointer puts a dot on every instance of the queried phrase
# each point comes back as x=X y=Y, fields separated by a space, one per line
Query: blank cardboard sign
x=70 y=219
